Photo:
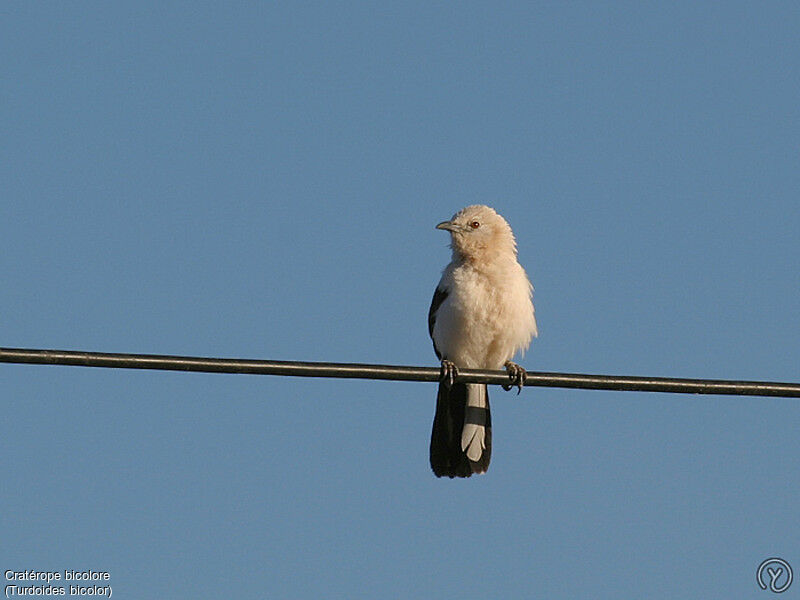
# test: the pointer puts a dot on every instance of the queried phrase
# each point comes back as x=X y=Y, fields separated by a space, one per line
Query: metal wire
x=394 y=373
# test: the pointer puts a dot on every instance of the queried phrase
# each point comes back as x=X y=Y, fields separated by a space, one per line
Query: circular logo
x=778 y=573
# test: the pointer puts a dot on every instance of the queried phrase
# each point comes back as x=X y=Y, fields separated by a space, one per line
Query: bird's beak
x=447 y=226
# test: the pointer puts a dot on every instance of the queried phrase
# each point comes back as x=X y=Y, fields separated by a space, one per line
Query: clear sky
x=262 y=180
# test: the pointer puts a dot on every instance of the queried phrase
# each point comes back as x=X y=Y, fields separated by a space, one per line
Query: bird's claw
x=449 y=373
x=517 y=375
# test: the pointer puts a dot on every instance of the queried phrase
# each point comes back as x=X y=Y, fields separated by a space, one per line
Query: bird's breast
x=486 y=318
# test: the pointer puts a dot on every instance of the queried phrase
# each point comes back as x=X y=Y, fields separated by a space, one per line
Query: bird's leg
x=516 y=374
x=449 y=373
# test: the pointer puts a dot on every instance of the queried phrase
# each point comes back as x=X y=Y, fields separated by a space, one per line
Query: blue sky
x=262 y=180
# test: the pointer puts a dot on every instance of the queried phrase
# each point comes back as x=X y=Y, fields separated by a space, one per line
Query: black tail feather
x=447 y=457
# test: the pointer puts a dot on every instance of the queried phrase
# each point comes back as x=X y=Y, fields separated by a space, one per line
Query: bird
x=481 y=315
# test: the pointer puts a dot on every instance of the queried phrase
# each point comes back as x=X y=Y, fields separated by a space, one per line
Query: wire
x=394 y=373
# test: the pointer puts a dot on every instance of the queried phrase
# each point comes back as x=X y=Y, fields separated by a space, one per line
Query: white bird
x=480 y=317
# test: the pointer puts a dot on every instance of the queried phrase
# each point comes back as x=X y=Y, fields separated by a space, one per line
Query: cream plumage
x=480 y=317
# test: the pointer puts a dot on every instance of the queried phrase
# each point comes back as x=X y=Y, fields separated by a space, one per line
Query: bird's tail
x=461 y=441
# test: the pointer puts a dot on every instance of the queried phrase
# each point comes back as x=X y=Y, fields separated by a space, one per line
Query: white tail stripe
x=473 y=436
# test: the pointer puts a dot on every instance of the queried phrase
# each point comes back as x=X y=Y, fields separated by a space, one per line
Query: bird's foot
x=449 y=373
x=517 y=375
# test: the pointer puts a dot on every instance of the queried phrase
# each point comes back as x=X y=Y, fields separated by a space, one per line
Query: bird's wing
x=439 y=296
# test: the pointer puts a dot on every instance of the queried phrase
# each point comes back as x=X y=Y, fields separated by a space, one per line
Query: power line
x=394 y=372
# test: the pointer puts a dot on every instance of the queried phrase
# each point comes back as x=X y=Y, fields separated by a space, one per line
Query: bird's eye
x=474 y=224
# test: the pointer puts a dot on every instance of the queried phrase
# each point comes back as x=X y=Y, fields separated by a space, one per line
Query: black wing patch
x=439 y=296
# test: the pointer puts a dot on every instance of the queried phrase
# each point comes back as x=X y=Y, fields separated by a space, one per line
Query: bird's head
x=479 y=232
